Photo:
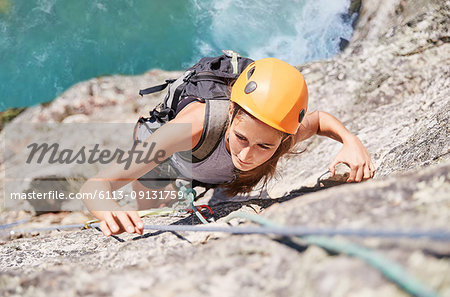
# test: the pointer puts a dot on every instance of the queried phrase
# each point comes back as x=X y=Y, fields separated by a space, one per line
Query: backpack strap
x=157 y=88
x=172 y=98
x=216 y=121
x=234 y=59
x=215 y=125
x=166 y=111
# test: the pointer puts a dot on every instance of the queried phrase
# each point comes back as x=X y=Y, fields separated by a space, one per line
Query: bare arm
x=173 y=137
x=353 y=153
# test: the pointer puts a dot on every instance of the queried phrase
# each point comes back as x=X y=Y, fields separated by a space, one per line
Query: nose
x=245 y=154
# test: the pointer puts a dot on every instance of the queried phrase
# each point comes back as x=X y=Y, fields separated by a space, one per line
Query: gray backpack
x=207 y=81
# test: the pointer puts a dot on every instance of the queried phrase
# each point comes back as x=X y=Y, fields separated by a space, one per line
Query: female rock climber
x=266 y=118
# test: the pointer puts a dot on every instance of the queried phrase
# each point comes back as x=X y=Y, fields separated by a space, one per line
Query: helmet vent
x=250 y=72
x=250 y=87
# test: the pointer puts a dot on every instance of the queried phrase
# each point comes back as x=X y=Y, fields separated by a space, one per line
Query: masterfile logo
x=47 y=163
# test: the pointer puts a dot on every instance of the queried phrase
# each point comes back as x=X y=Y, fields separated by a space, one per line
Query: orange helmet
x=274 y=92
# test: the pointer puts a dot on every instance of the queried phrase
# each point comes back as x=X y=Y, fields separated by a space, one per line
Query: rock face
x=391 y=87
x=391 y=90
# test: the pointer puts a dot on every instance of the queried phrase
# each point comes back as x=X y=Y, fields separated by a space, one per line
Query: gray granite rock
x=191 y=264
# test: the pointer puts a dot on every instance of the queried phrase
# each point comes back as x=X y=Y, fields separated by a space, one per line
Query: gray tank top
x=216 y=169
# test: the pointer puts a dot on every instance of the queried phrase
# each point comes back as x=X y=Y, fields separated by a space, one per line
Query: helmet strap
x=285 y=137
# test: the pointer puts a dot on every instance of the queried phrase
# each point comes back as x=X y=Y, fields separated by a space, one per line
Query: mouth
x=242 y=162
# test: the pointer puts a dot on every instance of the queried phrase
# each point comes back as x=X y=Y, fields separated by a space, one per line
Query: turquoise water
x=46 y=46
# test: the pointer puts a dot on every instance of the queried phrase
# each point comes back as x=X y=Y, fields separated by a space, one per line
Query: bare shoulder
x=193 y=114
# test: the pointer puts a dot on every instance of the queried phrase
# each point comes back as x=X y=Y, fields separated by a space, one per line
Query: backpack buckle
x=188 y=75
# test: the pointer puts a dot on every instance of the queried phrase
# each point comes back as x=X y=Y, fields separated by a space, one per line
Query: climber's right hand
x=119 y=221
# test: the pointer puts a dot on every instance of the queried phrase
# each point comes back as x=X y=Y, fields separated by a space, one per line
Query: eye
x=240 y=137
x=264 y=147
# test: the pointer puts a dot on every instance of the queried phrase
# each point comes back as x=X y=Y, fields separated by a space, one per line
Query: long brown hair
x=246 y=181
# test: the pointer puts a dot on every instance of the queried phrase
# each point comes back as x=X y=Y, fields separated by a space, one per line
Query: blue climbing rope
x=389 y=269
x=439 y=235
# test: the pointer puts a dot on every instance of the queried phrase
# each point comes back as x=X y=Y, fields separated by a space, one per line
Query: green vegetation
x=9 y=114
x=5 y=6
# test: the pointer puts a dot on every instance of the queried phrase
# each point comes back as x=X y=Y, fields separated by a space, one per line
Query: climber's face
x=251 y=142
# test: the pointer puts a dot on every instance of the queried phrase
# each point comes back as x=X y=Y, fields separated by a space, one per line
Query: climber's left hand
x=354 y=155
